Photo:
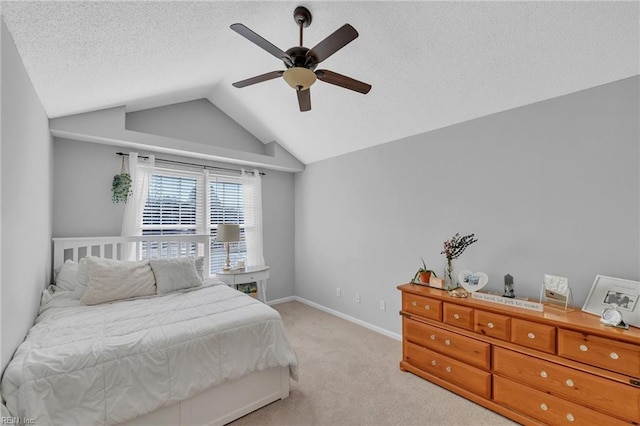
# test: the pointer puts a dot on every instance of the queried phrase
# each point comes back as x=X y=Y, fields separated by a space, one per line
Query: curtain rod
x=188 y=164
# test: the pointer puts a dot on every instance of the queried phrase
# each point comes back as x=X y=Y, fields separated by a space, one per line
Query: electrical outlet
x=338 y=292
x=357 y=297
x=383 y=305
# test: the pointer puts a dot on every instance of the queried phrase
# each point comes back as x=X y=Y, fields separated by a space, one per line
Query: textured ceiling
x=431 y=64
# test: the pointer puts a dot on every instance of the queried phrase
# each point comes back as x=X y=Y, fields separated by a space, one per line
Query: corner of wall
x=27 y=226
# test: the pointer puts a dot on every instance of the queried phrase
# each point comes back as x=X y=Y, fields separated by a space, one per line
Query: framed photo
x=556 y=291
x=608 y=290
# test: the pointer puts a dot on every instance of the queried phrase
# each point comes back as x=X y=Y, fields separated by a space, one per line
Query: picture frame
x=607 y=290
x=555 y=292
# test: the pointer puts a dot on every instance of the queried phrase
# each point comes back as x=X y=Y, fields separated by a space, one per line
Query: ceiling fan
x=301 y=62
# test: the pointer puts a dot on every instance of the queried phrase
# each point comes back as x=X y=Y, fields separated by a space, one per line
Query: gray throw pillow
x=175 y=274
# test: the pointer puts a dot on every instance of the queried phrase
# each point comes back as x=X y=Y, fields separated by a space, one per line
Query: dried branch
x=454 y=247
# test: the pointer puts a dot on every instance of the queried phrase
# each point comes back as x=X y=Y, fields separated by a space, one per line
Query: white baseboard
x=283 y=300
x=343 y=316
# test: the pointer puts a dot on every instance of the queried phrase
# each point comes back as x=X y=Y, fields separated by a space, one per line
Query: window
x=176 y=204
x=172 y=205
x=226 y=206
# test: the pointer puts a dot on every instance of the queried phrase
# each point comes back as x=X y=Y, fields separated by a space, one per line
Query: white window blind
x=176 y=204
x=225 y=206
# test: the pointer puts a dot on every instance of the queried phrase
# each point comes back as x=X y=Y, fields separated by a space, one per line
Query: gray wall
x=82 y=204
x=25 y=200
x=551 y=187
x=197 y=121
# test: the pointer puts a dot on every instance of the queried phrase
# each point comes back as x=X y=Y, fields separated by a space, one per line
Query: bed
x=200 y=355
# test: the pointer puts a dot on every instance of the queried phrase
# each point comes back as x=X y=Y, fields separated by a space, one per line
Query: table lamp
x=226 y=234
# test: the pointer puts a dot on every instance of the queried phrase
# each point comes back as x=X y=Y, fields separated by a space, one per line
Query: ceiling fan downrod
x=302 y=16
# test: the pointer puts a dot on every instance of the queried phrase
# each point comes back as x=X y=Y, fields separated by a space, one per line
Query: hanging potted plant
x=423 y=274
x=121 y=186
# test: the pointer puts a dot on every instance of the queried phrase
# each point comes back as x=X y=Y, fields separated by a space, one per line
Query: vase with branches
x=452 y=249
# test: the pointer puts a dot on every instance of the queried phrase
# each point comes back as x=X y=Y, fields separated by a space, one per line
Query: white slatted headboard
x=144 y=247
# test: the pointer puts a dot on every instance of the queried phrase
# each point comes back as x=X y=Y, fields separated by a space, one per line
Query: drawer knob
x=414 y=303
x=544 y=407
x=569 y=382
x=447 y=342
x=490 y=325
x=427 y=307
x=531 y=335
x=434 y=362
x=448 y=369
x=456 y=316
x=584 y=348
x=614 y=355
x=570 y=417
x=433 y=337
x=543 y=374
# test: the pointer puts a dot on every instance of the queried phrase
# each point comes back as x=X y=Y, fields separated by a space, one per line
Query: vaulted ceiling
x=431 y=64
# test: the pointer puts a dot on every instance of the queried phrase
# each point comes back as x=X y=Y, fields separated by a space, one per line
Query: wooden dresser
x=546 y=367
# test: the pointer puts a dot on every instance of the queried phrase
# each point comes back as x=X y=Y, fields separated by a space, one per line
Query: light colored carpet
x=349 y=375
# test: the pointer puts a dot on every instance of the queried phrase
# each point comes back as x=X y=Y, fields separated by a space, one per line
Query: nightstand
x=251 y=274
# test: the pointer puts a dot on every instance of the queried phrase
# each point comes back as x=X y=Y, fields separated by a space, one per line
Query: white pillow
x=82 y=279
x=67 y=276
x=111 y=280
x=200 y=266
x=175 y=274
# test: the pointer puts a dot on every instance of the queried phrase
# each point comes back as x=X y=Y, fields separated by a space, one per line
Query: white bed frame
x=216 y=406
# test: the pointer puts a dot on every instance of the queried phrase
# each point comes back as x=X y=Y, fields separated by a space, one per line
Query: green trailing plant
x=423 y=270
x=121 y=186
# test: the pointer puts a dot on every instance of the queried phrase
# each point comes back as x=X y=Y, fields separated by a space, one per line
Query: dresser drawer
x=455 y=372
x=460 y=316
x=546 y=408
x=423 y=306
x=492 y=325
x=460 y=347
x=599 y=393
x=616 y=356
x=533 y=335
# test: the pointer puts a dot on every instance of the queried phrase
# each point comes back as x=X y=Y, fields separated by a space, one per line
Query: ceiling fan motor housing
x=299 y=58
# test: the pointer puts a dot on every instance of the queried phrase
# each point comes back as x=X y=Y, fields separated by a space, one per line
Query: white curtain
x=140 y=171
x=252 y=198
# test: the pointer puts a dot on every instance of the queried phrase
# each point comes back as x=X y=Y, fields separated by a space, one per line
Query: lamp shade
x=299 y=78
x=228 y=232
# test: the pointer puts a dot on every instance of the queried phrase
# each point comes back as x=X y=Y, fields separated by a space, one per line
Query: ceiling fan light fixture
x=299 y=78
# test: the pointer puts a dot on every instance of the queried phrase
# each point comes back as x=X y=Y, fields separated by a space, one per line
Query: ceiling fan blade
x=304 y=100
x=330 y=45
x=258 y=79
x=343 y=81
x=261 y=42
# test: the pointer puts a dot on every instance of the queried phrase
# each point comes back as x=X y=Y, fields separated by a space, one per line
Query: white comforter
x=106 y=364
